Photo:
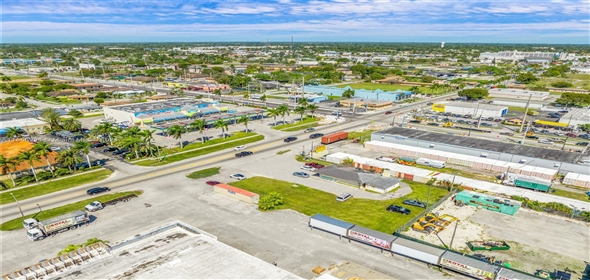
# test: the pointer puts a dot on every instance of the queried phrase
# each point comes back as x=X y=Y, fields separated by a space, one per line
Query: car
x=344 y=197
x=95 y=191
x=532 y=137
x=81 y=165
x=336 y=113
x=559 y=133
x=301 y=174
x=388 y=112
x=316 y=135
x=290 y=139
x=433 y=124
x=386 y=159
x=309 y=129
x=429 y=103
x=414 y=202
x=414 y=121
x=212 y=183
x=98 y=145
x=507 y=133
x=244 y=154
x=571 y=135
x=584 y=136
x=545 y=141
x=582 y=144
x=237 y=176
x=498 y=120
x=314 y=165
x=308 y=168
x=545 y=131
x=109 y=149
x=55 y=148
x=241 y=147
x=121 y=151
x=399 y=209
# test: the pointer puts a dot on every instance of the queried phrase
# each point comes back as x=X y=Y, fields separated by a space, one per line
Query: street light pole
x=17 y=203
x=453 y=238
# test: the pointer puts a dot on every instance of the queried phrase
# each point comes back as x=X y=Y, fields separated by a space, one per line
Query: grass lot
x=302 y=159
x=332 y=97
x=199 y=144
x=366 y=134
x=47 y=214
x=207 y=149
x=299 y=125
x=20 y=77
x=372 y=86
x=520 y=109
x=364 y=212
x=204 y=173
x=62 y=100
x=569 y=194
x=54 y=186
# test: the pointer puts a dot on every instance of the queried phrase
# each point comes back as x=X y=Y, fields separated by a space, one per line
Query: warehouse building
x=376 y=94
x=474 y=109
x=28 y=125
x=369 y=104
x=513 y=93
x=564 y=161
x=311 y=98
x=160 y=111
x=518 y=103
x=576 y=116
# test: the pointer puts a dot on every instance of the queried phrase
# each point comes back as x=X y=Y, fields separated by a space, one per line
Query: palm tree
x=312 y=108
x=233 y=97
x=199 y=124
x=30 y=158
x=71 y=124
x=69 y=158
x=6 y=164
x=52 y=117
x=14 y=132
x=273 y=113
x=247 y=96
x=43 y=150
x=133 y=143
x=176 y=132
x=300 y=110
x=83 y=147
x=263 y=99
x=302 y=101
x=284 y=110
x=221 y=124
x=218 y=93
x=244 y=120
x=6 y=79
x=105 y=129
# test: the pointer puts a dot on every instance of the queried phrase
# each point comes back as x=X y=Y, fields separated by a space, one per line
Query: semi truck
x=97 y=205
x=38 y=230
x=334 y=137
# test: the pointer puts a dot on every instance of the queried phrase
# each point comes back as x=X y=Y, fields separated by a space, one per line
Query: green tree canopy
x=474 y=93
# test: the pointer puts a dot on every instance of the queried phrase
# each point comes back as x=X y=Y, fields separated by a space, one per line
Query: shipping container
x=468 y=265
x=334 y=137
x=417 y=251
x=508 y=274
x=237 y=193
x=532 y=184
x=330 y=225
x=371 y=237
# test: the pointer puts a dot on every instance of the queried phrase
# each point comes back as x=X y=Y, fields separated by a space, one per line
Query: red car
x=213 y=183
x=388 y=112
x=314 y=165
x=571 y=135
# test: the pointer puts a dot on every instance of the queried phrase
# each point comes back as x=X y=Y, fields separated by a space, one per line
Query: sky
x=451 y=21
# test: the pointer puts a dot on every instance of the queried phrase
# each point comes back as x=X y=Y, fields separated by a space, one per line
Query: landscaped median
x=364 y=212
x=307 y=122
x=47 y=214
x=199 y=149
x=58 y=184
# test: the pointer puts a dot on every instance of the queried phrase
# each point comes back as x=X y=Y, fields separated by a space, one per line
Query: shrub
x=44 y=175
x=25 y=180
x=62 y=172
x=270 y=201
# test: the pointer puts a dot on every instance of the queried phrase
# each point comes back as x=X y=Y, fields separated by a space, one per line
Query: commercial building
x=237 y=193
x=488 y=57
x=370 y=104
x=311 y=98
x=12 y=149
x=159 y=111
x=518 y=94
x=172 y=251
x=474 y=109
x=576 y=116
x=376 y=94
x=518 y=103
x=29 y=125
x=476 y=148
x=360 y=179
x=88 y=87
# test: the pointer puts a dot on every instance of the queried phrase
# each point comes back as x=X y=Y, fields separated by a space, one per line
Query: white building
x=576 y=116
x=29 y=125
x=518 y=103
x=518 y=94
x=487 y=57
x=474 y=109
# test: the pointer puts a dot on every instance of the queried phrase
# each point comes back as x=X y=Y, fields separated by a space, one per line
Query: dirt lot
x=537 y=240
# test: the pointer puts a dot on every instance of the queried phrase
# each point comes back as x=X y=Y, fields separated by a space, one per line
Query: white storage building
x=474 y=109
x=518 y=94
x=519 y=103
x=576 y=116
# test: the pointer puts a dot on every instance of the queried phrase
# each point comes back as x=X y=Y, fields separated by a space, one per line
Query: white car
x=243 y=147
x=386 y=159
x=344 y=197
x=55 y=148
x=237 y=176
x=544 y=141
x=308 y=168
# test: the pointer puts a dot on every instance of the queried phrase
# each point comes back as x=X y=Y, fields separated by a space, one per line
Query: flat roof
x=576 y=114
x=486 y=145
x=330 y=220
x=22 y=123
x=474 y=105
x=430 y=249
x=517 y=91
x=175 y=253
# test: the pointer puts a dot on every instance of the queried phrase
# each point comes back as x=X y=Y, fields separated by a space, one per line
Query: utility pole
x=454 y=231
x=18 y=204
x=524 y=134
x=526 y=111
x=568 y=125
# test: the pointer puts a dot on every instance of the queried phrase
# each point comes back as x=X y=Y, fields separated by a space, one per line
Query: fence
x=160 y=230
x=427 y=210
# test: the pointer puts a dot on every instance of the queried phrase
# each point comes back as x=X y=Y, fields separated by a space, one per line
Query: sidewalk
x=52 y=180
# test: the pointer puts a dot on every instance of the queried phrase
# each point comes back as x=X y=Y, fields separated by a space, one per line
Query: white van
x=431 y=162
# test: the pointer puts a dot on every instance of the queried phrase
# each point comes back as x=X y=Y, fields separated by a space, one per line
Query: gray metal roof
x=332 y=221
x=419 y=246
x=378 y=181
x=344 y=173
x=384 y=236
x=511 y=274
x=487 y=145
x=470 y=261
x=354 y=175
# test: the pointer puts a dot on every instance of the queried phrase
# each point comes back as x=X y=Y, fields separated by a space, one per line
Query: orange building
x=11 y=149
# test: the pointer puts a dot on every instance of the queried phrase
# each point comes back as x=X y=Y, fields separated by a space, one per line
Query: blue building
x=310 y=98
x=377 y=94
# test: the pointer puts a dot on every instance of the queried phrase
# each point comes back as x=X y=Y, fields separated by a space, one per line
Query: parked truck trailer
x=536 y=185
x=334 y=137
x=38 y=230
x=97 y=205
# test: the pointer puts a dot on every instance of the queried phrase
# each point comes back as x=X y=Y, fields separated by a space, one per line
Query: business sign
x=438 y=107
x=369 y=239
x=59 y=224
x=468 y=270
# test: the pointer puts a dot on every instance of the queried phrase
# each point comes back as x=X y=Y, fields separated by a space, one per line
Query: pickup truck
x=97 y=205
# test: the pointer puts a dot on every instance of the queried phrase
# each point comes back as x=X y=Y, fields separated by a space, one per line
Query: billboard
x=468 y=270
x=438 y=107
x=369 y=239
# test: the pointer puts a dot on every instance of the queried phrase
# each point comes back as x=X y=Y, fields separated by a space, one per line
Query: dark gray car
x=414 y=202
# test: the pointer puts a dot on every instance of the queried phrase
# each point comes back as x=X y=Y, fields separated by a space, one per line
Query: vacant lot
x=372 y=86
x=365 y=212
